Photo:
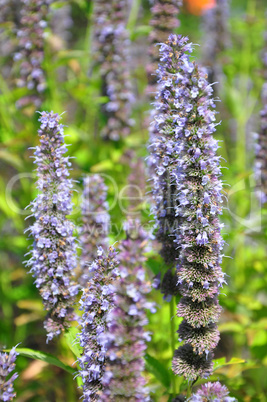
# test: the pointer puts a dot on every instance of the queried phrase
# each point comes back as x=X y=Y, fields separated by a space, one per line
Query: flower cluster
x=30 y=54
x=216 y=29
x=95 y=218
x=7 y=365
x=96 y=302
x=209 y=392
x=163 y=194
x=261 y=137
x=163 y=21
x=53 y=256
x=126 y=334
x=186 y=151
x=111 y=44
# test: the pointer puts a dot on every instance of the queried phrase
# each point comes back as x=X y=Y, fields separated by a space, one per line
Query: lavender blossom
x=111 y=43
x=164 y=20
x=185 y=151
x=212 y=392
x=95 y=217
x=127 y=337
x=163 y=195
x=261 y=138
x=30 y=54
x=53 y=256
x=96 y=302
x=7 y=365
x=216 y=38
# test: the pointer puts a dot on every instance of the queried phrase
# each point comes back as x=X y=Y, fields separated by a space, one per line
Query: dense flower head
x=164 y=20
x=30 y=53
x=53 y=256
x=127 y=339
x=7 y=365
x=215 y=24
x=95 y=219
x=201 y=338
x=169 y=286
x=184 y=150
x=111 y=44
x=96 y=302
x=261 y=139
x=190 y=364
x=212 y=392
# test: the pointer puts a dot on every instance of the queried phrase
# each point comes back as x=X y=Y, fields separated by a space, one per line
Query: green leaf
x=156 y=368
x=230 y=327
x=154 y=264
x=102 y=166
x=219 y=363
x=45 y=357
x=71 y=338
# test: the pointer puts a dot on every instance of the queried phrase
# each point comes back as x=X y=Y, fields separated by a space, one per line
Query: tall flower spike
x=164 y=20
x=127 y=337
x=137 y=184
x=261 y=138
x=96 y=302
x=216 y=38
x=111 y=44
x=212 y=391
x=7 y=365
x=54 y=250
x=95 y=218
x=30 y=54
x=186 y=151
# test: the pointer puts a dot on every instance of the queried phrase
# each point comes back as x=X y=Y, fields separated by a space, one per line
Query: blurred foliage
x=241 y=357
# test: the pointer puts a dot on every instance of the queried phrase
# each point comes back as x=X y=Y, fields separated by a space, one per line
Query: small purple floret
x=7 y=365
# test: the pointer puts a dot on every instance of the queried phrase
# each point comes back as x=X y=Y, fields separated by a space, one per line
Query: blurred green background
x=243 y=324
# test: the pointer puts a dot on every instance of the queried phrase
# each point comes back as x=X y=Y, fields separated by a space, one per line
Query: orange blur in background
x=198 y=7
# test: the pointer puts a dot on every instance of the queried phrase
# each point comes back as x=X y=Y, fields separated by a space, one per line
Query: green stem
x=172 y=314
x=133 y=17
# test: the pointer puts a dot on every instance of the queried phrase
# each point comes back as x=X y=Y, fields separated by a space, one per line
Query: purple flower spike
x=215 y=24
x=184 y=147
x=7 y=365
x=96 y=303
x=53 y=256
x=95 y=217
x=164 y=20
x=30 y=54
x=111 y=44
x=209 y=392
x=261 y=140
x=127 y=338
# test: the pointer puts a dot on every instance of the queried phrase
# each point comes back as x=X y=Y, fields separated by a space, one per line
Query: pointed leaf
x=156 y=368
x=73 y=344
x=45 y=357
x=219 y=363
